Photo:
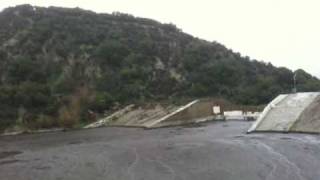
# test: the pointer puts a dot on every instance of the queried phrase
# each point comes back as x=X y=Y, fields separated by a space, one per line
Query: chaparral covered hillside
x=61 y=67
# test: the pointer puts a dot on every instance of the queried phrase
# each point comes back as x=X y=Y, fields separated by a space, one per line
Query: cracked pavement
x=215 y=151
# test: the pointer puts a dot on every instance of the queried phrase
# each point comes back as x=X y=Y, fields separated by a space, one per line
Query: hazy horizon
x=284 y=33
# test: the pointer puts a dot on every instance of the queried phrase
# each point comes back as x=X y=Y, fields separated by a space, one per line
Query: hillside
x=60 y=66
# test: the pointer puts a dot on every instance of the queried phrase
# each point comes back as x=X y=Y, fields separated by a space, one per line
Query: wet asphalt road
x=216 y=151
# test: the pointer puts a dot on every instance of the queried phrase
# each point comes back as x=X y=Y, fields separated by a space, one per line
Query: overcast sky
x=283 y=32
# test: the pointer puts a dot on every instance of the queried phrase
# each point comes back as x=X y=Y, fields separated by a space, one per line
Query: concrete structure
x=161 y=115
x=196 y=111
x=232 y=115
x=158 y=115
x=240 y=115
x=135 y=116
x=298 y=112
x=154 y=116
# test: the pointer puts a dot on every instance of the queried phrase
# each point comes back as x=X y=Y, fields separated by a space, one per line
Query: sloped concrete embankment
x=291 y=113
x=194 y=112
x=159 y=115
x=309 y=120
x=135 y=116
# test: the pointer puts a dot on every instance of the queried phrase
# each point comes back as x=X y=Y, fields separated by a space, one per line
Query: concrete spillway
x=298 y=112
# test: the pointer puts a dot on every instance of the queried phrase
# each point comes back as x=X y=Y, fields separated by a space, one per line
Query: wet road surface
x=215 y=151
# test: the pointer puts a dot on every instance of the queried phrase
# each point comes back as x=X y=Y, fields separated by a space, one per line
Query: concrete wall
x=197 y=111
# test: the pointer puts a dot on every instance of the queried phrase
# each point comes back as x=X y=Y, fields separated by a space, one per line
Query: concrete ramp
x=289 y=113
x=154 y=116
x=195 y=111
x=135 y=116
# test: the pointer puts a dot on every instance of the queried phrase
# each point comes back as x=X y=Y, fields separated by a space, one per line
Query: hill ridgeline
x=58 y=66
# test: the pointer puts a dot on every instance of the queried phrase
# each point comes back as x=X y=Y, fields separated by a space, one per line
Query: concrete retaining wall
x=159 y=116
x=193 y=112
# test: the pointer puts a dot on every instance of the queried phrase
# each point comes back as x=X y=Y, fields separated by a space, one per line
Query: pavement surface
x=215 y=151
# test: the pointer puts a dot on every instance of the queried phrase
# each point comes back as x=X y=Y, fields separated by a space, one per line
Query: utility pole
x=294 y=90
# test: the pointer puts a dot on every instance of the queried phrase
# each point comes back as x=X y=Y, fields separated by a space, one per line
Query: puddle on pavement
x=10 y=162
x=239 y=136
x=6 y=154
x=286 y=138
x=75 y=142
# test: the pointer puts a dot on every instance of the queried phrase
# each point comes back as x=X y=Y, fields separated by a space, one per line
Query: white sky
x=283 y=32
